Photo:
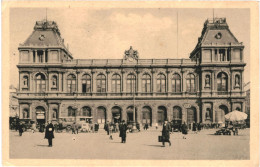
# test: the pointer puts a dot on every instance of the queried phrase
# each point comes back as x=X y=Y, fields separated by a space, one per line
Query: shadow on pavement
x=42 y=145
x=155 y=145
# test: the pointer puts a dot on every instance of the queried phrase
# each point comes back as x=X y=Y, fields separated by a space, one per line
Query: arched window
x=161 y=81
x=54 y=113
x=207 y=81
x=26 y=113
x=116 y=83
x=86 y=83
x=101 y=83
x=86 y=111
x=237 y=81
x=131 y=83
x=176 y=83
x=71 y=112
x=71 y=80
x=190 y=83
x=25 y=82
x=222 y=82
x=177 y=115
x=146 y=83
x=40 y=83
x=54 y=83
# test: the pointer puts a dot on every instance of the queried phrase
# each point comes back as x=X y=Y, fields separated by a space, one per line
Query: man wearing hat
x=166 y=133
x=123 y=129
x=49 y=133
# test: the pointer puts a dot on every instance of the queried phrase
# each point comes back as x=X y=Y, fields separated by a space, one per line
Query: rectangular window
x=118 y=86
x=84 y=86
x=188 y=86
x=178 y=86
x=148 y=89
x=88 y=86
x=192 y=86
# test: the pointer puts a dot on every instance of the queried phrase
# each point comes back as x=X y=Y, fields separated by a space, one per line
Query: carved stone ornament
x=131 y=54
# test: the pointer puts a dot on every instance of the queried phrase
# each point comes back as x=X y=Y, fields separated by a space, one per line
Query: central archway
x=191 y=115
x=101 y=115
x=40 y=115
x=130 y=114
x=220 y=114
x=161 y=114
x=147 y=115
x=116 y=114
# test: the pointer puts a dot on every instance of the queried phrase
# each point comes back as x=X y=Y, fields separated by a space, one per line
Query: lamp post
x=134 y=129
x=75 y=107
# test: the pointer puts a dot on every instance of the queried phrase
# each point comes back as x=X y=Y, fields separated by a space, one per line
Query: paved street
x=142 y=145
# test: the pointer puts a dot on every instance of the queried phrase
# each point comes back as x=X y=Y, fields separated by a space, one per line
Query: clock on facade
x=218 y=35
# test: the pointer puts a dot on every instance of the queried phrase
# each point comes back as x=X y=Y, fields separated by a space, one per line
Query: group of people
x=111 y=128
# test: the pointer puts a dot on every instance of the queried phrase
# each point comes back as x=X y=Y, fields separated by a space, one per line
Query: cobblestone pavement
x=143 y=145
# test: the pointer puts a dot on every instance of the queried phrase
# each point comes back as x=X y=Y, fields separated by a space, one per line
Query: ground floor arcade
x=153 y=112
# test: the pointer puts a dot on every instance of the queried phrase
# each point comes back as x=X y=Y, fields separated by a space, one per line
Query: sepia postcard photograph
x=130 y=84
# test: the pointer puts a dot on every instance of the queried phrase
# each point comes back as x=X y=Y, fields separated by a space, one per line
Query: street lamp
x=134 y=129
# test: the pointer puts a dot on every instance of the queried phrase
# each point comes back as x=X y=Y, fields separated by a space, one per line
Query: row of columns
x=34 y=56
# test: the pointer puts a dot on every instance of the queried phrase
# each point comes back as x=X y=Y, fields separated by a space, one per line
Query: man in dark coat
x=49 y=133
x=106 y=127
x=184 y=130
x=166 y=133
x=20 y=128
x=123 y=129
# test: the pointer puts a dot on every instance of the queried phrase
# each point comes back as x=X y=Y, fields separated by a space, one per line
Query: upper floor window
x=146 y=83
x=176 y=83
x=86 y=83
x=190 y=83
x=25 y=83
x=237 y=80
x=71 y=82
x=207 y=81
x=222 y=81
x=222 y=54
x=54 y=83
x=40 y=83
x=131 y=83
x=116 y=83
x=101 y=83
x=161 y=82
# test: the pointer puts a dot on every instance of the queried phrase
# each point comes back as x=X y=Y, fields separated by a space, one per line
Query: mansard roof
x=45 y=34
x=216 y=32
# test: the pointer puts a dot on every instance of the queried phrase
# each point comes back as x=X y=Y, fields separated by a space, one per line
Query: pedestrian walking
x=122 y=130
x=194 y=127
x=73 y=128
x=117 y=127
x=49 y=133
x=199 y=127
x=111 y=127
x=184 y=130
x=33 y=127
x=41 y=127
x=106 y=127
x=77 y=128
x=156 y=125
x=20 y=128
x=166 y=133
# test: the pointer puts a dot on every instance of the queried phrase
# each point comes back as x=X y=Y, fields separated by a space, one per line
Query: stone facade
x=203 y=88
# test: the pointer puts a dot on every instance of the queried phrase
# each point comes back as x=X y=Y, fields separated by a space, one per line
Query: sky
x=104 y=33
